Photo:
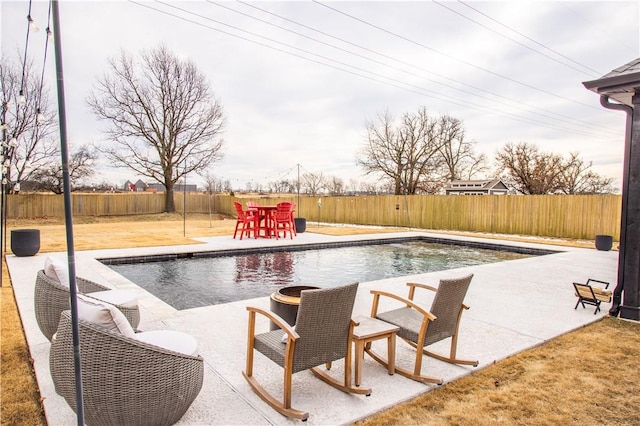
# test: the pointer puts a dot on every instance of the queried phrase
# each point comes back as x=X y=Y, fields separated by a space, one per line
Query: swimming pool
x=190 y=282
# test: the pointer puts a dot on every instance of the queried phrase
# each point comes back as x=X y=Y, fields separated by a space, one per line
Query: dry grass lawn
x=587 y=377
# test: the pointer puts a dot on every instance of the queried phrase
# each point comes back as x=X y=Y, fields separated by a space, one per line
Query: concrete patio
x=515 y=305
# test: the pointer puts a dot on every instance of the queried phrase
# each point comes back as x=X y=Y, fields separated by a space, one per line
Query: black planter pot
x=604 y=242
x=25 y=242
x=301 y=224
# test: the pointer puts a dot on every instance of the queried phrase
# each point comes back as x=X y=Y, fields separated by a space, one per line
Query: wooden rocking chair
x=322 y=334
x=421 y=328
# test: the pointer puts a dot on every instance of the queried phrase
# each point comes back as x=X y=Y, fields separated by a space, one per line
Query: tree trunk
x=170 y=206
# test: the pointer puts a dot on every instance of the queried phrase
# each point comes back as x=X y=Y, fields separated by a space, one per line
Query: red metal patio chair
x=245 y=218
x=252 y=206
x=283 y=220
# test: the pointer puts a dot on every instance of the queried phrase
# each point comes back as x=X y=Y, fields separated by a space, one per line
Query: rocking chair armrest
x=413 y=286
x=425 y=286
x=276 y=319
x=409 y=303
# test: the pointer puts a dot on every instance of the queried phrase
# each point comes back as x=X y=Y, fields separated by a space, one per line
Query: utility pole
x=3 y=207
x=298 y=185
x=184 y=203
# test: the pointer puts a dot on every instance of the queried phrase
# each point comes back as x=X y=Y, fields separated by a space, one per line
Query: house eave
x=620 y=87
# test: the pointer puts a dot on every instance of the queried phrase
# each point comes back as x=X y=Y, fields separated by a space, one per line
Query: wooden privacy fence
x=34 y=205
x=561 y=216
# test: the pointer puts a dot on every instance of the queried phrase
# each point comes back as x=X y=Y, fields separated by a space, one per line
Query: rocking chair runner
x=322 y=334
x=421 y=328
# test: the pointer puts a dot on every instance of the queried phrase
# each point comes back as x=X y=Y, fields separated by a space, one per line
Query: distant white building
x=476 y=187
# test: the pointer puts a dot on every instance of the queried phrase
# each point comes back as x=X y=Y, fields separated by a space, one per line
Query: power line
x=44 y=63
x=608 y=32
x=452 y=57
x=393 y=82
x=596 y=73
x=30 y=24
x=518 y=104
x=593 y=74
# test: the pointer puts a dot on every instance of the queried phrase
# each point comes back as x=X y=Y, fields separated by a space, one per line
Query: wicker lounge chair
x=421 y=328
x=125 y=381
x=51 y=298
x=322 y=334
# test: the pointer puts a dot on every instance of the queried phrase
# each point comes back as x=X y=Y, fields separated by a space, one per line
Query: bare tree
x=335 y=185
x=459 y=158
x=368 y=188
x=406 y=153
x=30 y=124
x=386 y=186
x=282 y=186
x=312 y=183
x=528 y=170
x=211 y=183
x=162 y=115
x=352 y=187
x=211 y=186
x=577 y=178
x=81 y=165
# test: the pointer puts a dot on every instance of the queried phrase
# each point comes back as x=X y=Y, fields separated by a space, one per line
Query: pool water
x=204 y=281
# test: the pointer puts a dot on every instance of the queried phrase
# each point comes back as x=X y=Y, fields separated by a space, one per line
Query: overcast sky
x=299 y=80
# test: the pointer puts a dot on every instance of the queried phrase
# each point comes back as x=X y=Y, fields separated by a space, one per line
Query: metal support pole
x=298 y=189
x=68 y=213
x=184 y=203
x=3 y=230
x=3 y=150
x=5 y=193
x=5 y=198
